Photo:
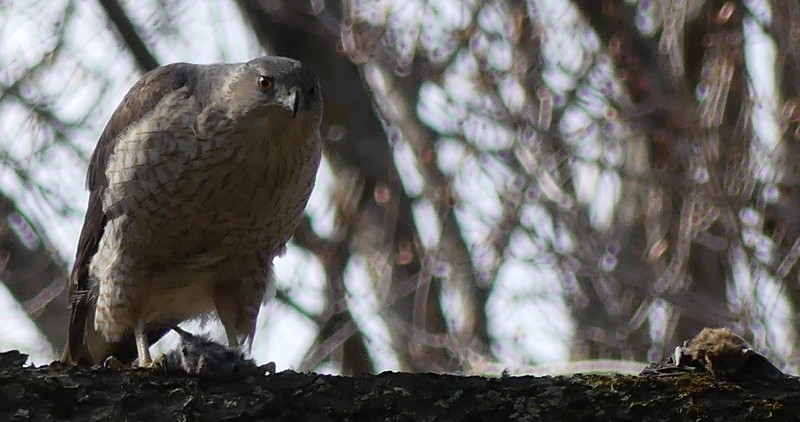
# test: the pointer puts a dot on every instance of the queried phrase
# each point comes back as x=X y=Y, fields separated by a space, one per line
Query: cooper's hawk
x=196 y=184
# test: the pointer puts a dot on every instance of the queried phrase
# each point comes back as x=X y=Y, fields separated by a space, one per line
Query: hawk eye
x=266 y=83
x=312 y=91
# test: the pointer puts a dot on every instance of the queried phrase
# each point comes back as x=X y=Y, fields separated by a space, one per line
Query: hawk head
x=264 y=90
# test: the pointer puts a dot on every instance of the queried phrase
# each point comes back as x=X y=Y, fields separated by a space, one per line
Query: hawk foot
x=112 y=362
x=161 y=363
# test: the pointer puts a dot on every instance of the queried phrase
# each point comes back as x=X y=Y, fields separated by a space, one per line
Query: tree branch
x=61 y=392
x=145 y=60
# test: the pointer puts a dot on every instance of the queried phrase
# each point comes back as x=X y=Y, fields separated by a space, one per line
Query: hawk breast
x=185 y=190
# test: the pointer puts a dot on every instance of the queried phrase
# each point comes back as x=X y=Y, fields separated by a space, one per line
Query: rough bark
x=58 y=392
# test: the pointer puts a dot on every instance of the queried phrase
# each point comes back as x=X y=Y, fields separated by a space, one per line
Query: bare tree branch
x=144 y=59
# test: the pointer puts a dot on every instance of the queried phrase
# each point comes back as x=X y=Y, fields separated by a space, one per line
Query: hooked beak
x=291 y=102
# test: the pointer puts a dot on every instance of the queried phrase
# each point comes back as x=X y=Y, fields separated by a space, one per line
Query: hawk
x=196 y=184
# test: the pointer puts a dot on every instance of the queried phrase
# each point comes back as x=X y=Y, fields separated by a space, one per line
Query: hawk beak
x=291 y=102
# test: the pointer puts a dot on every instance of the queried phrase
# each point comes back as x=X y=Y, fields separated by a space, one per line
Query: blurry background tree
x=505 y=182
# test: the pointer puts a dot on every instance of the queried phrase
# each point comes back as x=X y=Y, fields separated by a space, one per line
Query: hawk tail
x=87 y=345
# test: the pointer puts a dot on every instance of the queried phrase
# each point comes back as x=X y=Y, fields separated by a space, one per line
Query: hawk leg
x=229 y=318
x=233 y=339
x=141 y=345
x=237 y=318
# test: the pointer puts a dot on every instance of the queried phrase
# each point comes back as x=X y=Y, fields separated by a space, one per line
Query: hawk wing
x=137 y=104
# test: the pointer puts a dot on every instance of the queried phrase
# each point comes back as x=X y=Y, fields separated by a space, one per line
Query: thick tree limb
x=84 y=394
